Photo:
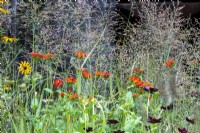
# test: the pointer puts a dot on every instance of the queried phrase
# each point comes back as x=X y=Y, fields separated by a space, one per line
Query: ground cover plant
x=61 y=73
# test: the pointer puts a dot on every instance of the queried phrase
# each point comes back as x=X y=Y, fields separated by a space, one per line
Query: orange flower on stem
x=135 y=95
x=36 y=55
x=71 y=80
x=62 y=94
x=86 y=74
x=48 y=56
x=105 y=74
x=169 y=63
x=138 y=83
x=138 y=70
x=74 y=96
x=58 y=82
x=136 y=80
x=98 y=74
x=80 y=54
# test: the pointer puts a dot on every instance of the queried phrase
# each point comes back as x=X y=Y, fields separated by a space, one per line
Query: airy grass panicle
x=60 y=72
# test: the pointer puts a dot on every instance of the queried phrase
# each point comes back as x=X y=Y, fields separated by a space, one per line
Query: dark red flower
x=89 y=129
x=168 y=107
x=112 y=121
x=183 y=130
x=119 y=131
x=149 y=89
x=153 y=120
x=190 y=120
x=105 y=74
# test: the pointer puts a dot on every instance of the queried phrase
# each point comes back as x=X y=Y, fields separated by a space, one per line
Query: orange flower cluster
x=102 y=74
x=71 y=80
x=39 y=55
x=86 y=74
x=58 y=82
x=80 y=54
x=147 y=84
x=136 y=80
x=169 y=63
x=73 y=96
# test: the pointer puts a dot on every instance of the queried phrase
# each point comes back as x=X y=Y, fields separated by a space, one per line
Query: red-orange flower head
x=86 y=74
x=36 y=55
x=136 y=80
x=48 y=56
x=138 y=71
x=58 y=82
x=105 y=75
x=71 y=80
x=80 y=54
x=74 y=96
x=98 y=74
x=169 y=63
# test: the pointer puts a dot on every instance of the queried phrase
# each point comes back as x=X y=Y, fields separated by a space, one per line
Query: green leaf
x=34 y=103
x=49 y=90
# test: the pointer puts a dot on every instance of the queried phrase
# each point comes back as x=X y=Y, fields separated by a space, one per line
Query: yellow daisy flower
x=8 y=39
x=4 y=11
x=3 y=1
x=6 y=88
x=24 y=67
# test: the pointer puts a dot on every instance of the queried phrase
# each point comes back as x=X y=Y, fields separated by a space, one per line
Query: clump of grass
x=104 y=92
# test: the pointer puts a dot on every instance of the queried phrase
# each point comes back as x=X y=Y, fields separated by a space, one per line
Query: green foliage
x=36 y=103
